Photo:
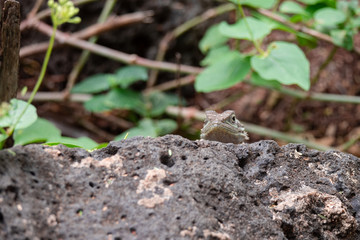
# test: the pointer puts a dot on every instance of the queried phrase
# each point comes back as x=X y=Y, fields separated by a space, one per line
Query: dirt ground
x=331 y=124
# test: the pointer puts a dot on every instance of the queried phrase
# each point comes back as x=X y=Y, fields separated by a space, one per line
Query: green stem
x=256 y=44
x=39 y=81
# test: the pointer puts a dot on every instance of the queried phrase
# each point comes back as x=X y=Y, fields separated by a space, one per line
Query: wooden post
x=9 y=48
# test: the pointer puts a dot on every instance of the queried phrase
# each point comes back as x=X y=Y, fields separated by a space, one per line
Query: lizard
x=223 y=127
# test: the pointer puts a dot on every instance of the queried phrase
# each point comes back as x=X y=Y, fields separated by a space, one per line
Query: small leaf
x=292 y=8
x=256 y=3
x=3 y=137
x=342 y=38
x=214 y=54
x=125 y=99
x=13 y=114
x=97 y=104
x=228 y=71
x=40 y=131
x=311 y=2
x=94 y=84
x=130 y=74
x=212 y=39
x=329 y=17
x=256 y=79
x=146 y=128
x=157 y=102
x=165 y=126
x=239 y=30
x=285 y=63
x=82 y=142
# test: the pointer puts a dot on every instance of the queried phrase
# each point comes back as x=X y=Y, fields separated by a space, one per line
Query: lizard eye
x=233 y=119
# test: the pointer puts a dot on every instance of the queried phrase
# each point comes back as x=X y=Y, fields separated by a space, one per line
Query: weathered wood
x=9 y=48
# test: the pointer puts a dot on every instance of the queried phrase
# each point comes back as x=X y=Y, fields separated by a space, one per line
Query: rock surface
x=174 y=188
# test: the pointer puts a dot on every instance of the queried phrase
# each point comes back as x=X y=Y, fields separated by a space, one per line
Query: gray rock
x=174 y=188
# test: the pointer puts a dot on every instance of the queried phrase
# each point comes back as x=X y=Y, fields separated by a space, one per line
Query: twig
x=171 y=84
x=109 y=5
x=164 y=43
x=114 y=54
x=252 y=128
x=56 y=97
x=96 y=29
x=34 y=10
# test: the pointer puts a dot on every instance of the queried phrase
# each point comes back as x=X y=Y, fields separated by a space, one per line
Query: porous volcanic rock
x=173 y=188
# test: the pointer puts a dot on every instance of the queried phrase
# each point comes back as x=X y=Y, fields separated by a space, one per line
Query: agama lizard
x=223 y=127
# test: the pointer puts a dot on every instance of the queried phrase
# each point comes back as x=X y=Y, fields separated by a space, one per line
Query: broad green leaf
x=311 y=2
x=239 y=30
x=130 y=74
x=256 y=79
x=342 y=38
x=97 y=104
x=223 y=74
x=165 y=126
x=94 y=84
x=292 y=8
x=146 y=128
x=157 y=102
x=3 y=137
x=215 y=54
x=211 y=39
x=82 y=142
x=125 y=99
x=285 y=63
x=40 y=131
x=256 y=3
x=14 y=112
x=329 y=17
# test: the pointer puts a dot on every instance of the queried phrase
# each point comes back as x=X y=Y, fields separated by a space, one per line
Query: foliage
x=20 y=116
x=112 y=91
x=282 y=62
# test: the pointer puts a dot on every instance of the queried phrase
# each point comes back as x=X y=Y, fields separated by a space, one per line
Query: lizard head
x=223 y=127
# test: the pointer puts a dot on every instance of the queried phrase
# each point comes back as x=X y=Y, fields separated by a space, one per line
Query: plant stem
x=256 y=44
x=39 y=81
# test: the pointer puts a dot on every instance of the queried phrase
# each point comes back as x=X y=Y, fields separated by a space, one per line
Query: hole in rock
x=183 y=157
x=91 y=184
x=166 y=160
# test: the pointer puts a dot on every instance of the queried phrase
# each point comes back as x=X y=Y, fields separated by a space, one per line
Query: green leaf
x=157 y=102
x=125 y=99
x=146 y=128
x=214 y=54
x=257 y=80
x=228 y=71
x=285 y=63
x=211 y=39
x=97 y=104
x=165 y=126
x=311 y=2
x=130 y=74
x=3 y=137
x=40 y=131
x=14 y=112
x=329 y=17
x=292 y=8
x=342 y=38
x=94 y=84
x=239 y=30
x=256 y=3
x=82 y=142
